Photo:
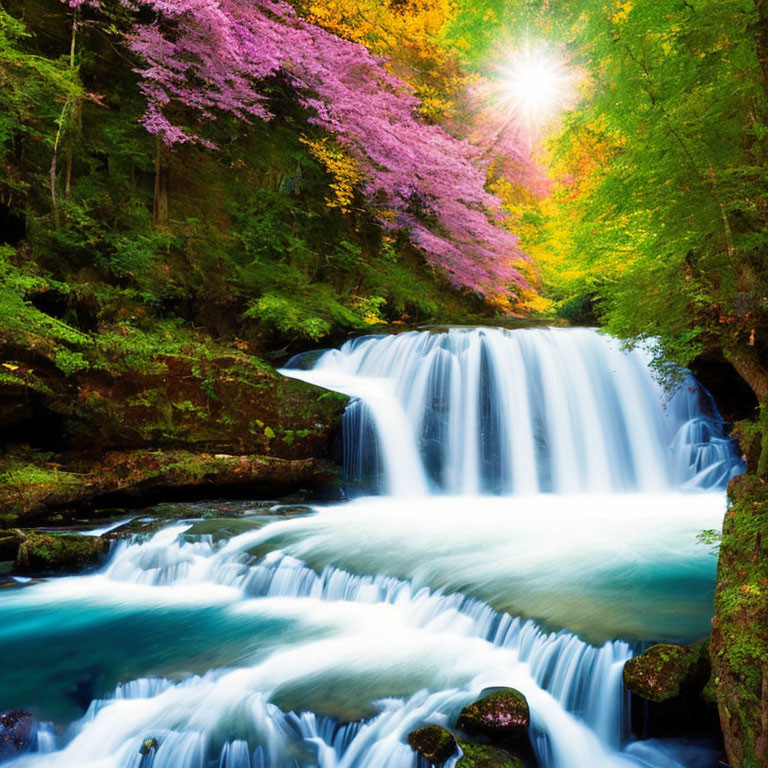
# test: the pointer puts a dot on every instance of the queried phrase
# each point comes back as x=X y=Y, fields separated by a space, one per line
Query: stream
x=525 y=509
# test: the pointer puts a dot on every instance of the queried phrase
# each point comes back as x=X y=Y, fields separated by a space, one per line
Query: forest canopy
x=268 y=170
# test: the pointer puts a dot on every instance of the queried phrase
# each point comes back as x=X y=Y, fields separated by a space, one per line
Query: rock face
x=17 y=732
x=135 y=420
x=500 y=716
x=433 y=743
x=45 y=554
x=739 y=640
x=10 y=541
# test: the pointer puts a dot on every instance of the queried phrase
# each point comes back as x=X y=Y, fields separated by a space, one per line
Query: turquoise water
x=542 y=499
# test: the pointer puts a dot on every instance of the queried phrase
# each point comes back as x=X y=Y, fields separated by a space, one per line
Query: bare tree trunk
x=160 y=205
x=68 y=176
x=77 y=130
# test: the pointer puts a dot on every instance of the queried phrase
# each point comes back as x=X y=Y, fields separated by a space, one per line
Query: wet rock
x=485 y=756
x=668 y=684
x=43 y=554
x=433 y=743
x=499 y=716
x=665 y=671
x=17 y=732
x=128 y=477
x=147 y=746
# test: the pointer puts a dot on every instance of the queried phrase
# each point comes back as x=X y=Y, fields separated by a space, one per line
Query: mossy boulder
x=486 y=756
x=433 y=743
x=739 y=640
x=165 y=389
x=668 y=684
x=17 y=732
x=665 y=671
x=499 y=716
x=139 y=392
x=43 y=554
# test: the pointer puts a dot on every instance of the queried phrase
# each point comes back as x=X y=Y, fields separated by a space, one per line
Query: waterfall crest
x=485 y=410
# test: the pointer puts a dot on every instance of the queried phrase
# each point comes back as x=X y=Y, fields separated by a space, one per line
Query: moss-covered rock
x=665 y=671
x=124 y=477
x=500 y=716
x=668 y=683
x=170 y=388
x=739 y=640
x=434 y=743
x=43 y=554
x=136 y=392
x=485 y=756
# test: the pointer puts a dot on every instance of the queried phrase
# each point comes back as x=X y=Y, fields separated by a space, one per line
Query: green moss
x=740 y=631
x=24 y=484
x=434 y=743
x=484 y=756
x=500 y=715
x=47 y=553
x=664 y=671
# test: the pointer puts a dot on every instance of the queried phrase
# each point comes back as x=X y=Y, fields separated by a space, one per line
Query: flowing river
x=526 y=509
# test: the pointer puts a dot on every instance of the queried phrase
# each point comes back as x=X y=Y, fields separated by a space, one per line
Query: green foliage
x=659 y=210
x=70 y=362
x=285 y=315
x=252 y=249
x=671 y=232
x=18 y=316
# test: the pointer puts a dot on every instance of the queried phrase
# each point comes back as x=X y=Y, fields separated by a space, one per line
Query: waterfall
x=540 y=496
x=572 y=686
x=485 y=410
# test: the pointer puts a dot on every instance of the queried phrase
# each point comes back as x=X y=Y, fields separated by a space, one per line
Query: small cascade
x=563 y=677
x=484 y=410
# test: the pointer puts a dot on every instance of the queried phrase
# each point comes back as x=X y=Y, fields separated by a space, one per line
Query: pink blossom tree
x=213 y=56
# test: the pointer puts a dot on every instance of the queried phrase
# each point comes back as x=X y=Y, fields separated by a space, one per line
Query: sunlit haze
x=538 y=84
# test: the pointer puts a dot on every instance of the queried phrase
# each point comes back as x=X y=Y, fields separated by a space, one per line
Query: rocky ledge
x=132 y=427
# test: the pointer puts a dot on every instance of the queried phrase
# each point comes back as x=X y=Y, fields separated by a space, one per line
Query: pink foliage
x=211 y=55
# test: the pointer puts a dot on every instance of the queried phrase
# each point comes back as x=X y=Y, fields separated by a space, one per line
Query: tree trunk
x=751 y=369
x=162 y=174
x=60 y=133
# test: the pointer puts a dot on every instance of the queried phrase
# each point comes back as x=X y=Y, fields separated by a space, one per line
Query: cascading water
x=541 y=473
x=518 y=412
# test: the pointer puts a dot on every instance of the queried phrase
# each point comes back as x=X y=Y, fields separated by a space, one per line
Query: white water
x=603 y=566
x=528 y=411
x=537 y=473
x=361 y=636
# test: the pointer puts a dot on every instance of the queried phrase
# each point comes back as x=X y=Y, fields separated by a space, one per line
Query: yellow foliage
x=408 y=34
x=622 y=11
x=344 y=169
